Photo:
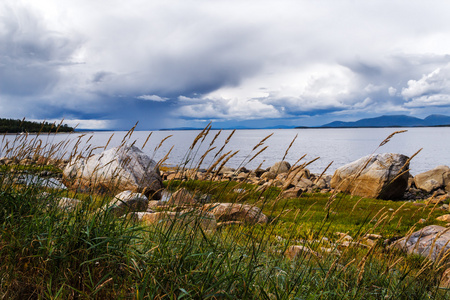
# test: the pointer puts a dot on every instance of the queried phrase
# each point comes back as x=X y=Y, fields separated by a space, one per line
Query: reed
x=52 y=253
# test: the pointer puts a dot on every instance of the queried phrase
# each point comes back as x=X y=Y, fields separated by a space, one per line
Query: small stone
x=294 y=251
x=444 y=218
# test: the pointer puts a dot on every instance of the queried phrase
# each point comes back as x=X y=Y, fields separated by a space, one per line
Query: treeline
x=16 y=126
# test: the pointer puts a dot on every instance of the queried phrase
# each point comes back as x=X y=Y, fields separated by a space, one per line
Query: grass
x=48 y=253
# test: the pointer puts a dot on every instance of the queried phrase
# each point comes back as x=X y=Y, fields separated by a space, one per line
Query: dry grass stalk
x=362 y=264
x=199 y=136
x=425 y=266
x=434 y=241
x=210 y=169
x=443 y=254
x=207 y=132
x=289 y=147
x=391 y=266
x=396 y=211
x=146 y=140
x=262 y=142
x=215 y=137
x=386 y=140
x=332 y=268
x=356 y=204
x=225 y=161
x=202 y=158
x=109 y=140
x=162 y=141
x=323 y=172
x=130 y=132
x=165 y=157
x=259 y=152
x=399 y=222
x=226 y=142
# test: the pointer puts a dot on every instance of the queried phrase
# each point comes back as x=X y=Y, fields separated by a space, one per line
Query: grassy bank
x=50 y=253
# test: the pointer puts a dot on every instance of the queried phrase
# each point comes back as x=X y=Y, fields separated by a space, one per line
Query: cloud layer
x=184 y=63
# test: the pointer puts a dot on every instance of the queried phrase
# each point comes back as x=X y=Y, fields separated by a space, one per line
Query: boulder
x=434 y=179
x=280 y=167
x=296 y=251
x=181 y=197
x=127 y=201
x=268 y=176
x=205 y=220
x=236 y=212
x=294 y=192
x=431 y=241
x=117 y=169
x=159 y=217
x=192 y=217
x=68 y=204
x=304 y=183
x=373 y=176
x=444 y=218
x=445 y=279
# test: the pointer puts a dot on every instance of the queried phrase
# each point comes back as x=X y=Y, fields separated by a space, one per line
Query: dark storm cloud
x=174 y=63
x=31 y=55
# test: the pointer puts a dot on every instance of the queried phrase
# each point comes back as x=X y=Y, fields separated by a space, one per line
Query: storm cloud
x=108 y=64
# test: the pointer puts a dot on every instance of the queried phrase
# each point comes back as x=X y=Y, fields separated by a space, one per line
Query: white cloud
x=225 y=109
x=432 y=89
x=152 y=98
x=392 y=91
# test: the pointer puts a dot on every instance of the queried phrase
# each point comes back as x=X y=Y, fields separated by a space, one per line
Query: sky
x=238 y=63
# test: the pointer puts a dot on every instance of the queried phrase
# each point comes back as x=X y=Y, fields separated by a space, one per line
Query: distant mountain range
x=393 y=121
x=383 y=121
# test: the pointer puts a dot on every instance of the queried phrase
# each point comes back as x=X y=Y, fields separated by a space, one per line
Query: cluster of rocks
x=382 y=176
x=129 y=170
x=293 y=180
x=34 y=161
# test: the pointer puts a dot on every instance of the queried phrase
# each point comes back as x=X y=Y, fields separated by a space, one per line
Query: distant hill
x=393 y=121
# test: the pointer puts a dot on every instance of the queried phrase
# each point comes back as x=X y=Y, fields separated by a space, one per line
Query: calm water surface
x=338 y=145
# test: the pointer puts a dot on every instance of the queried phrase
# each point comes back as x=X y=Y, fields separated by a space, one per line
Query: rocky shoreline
x=138 y=183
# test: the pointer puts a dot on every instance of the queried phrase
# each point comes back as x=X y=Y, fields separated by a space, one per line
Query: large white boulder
x=373 y=176
x=117 y=169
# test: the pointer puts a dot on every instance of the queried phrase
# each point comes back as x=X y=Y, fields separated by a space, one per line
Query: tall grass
x=51 y=253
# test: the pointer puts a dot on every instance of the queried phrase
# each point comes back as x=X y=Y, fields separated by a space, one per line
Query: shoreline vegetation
x=13 y=126
x=204 y=231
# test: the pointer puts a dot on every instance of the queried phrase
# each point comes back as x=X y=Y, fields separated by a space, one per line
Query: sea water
x=339 y=146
